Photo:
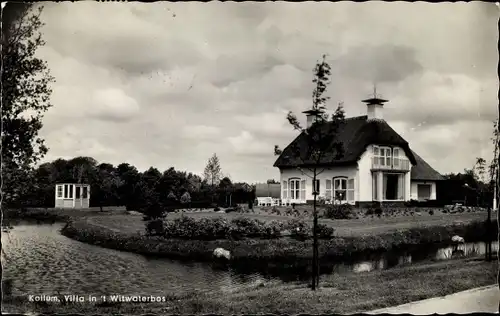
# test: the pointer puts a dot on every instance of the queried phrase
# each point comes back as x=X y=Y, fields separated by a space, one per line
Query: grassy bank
x=282 y=249
x=341 y=294
x=51 y=215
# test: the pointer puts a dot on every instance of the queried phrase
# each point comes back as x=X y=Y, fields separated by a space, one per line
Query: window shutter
x=303 y=190
x=285 y=190
x=328 y=189
x=350 y=190
x=316 y=185
x=401 y=186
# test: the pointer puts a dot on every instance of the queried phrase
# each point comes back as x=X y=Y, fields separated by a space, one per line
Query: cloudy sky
x=169 y=84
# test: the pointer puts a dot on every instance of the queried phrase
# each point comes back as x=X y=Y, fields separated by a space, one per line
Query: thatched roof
x=423 y=171
x=356 y=134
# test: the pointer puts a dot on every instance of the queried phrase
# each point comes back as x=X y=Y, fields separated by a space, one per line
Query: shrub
x=378 y=211
x=342 y=211
x=369 y=211
x=298 y=229
x=218 y=228
x=273 y=229
x=205 y=229
x=185 y=198
x=325 y=232
x=431 y=212
x=216 y=209
x=155 y=227
x=247 y=227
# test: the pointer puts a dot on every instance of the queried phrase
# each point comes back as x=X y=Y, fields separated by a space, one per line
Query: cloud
x=382 y=63
x=113 y=104
x=442 y=99
x=246 y=144
x=200 y=132
x=168 y=84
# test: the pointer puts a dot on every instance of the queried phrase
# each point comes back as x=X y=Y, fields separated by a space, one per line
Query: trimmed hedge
x=216 y=228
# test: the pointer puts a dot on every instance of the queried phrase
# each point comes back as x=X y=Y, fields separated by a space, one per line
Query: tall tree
x=25 y=98
x=106 y=185
x=150 y=202
x=320 y=138
x=128 y=190
x=213 y=171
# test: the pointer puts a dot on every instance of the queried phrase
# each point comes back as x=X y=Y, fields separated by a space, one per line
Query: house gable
x=356 y=134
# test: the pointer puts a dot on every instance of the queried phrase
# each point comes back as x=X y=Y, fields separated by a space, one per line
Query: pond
x=40 y=260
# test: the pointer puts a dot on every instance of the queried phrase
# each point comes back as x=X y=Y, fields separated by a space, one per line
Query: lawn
x=347 y=293
x=345 y=228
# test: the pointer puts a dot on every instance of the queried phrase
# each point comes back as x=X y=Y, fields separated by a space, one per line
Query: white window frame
x=59 y=191
x=401 y=180
x=294 y=185
x=85 y=192
x=342 y=189
x=396 y=160
x=382 y=159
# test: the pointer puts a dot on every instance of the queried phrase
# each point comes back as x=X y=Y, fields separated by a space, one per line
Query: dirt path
x=354 y=227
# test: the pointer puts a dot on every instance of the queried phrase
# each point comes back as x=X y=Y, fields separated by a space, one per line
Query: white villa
x=377 y=165
x=72 y=195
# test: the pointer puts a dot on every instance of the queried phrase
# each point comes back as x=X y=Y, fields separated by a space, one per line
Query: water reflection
x=390 y=260
x=41 y=261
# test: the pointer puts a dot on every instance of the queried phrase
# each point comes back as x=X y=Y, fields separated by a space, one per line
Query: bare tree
x=213 y=174
x=213 y=171
x=319 y=138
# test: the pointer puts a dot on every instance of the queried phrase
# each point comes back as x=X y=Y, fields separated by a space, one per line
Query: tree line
x=148 y=191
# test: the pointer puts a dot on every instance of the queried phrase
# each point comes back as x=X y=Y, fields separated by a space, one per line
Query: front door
x=391 y=186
